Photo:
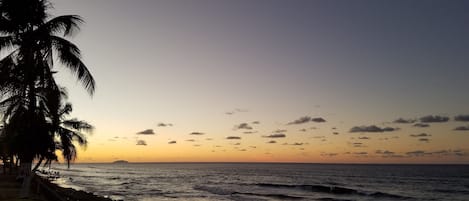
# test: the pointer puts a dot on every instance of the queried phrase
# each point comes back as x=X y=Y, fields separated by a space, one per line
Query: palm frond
x=65 y=24
x=6 y=42
x=70 y=55
x=81 y=126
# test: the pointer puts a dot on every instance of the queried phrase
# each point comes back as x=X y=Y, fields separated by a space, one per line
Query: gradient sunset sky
x=274 y=81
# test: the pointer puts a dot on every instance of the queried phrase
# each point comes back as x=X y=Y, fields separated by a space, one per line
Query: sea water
x=266 y=181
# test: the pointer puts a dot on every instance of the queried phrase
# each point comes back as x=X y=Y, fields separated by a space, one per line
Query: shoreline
x=52 y=191
x=43 y=190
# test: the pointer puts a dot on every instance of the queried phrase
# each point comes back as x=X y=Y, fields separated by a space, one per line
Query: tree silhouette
x=33 y=43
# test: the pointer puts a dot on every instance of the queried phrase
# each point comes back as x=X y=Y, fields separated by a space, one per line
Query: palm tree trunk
x=38 y=164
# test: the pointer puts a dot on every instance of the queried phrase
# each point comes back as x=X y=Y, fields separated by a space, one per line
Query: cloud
x=461 y=128
x=279 y=131
x=358 y=144
x=272 y=142
x=371 y=129
x=461 y=118
x=233 y=138
x=434 y=119
x=141 y=142
x=208 y=139
x=424 y=140
x=196 y=133
x=421 y=125
x=363 y=138
x=190 y=140
x=301 y=120
x=404 y=121
x=172 y=142
x=250 y=132
x=361 y=153
x=236 y=111
x=388 y=154
x=448 y=152
x=277 y=135
x=256 y=122
x=329 y=154
x=385 y=152
x=297 y=144
x=335 y=133
x=303 y=130
x=318 y=120
x=164 y=124
x=146 y=132
x=318 y=137
x=416 y=153
x=245 y=126
x=420 y=135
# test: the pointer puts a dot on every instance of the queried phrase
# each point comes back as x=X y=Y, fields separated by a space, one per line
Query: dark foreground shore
x=42 y=190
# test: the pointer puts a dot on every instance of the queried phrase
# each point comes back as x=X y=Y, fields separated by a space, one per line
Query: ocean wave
x=224 y=191
x=332 y=189
x=452 y=191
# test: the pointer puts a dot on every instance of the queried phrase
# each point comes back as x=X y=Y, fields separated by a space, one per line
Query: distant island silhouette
x=120 y=162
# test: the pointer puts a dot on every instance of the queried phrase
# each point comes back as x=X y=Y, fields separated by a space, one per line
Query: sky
x=273 y=81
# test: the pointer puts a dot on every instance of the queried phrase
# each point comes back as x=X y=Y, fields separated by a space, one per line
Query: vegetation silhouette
x=31 y=102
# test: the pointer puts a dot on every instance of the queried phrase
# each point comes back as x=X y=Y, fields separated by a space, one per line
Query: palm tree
x=26 y=74
x=65 y=131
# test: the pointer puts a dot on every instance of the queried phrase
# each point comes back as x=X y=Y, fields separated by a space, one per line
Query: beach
x=42 y=190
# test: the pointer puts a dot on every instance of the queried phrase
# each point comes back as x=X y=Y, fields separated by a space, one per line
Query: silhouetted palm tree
x=66 y=130
x=26 y=74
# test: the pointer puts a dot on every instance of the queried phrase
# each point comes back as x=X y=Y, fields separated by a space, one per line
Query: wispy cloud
x=404 y=121
x=256 y=122
x=420 y=135
x=272 y=142
x=424 y=140
x=301 y=120
x=461 y=118
x=421 y=125
x=250 y=132
x=363 y=138
x=146 y=132
x=196 y=133
x=318 y=120
x=190 y=140
x=328 y=154
x=461 y=128
x=279 y=131
x=371 y=129
x=233 y=138
x=384 y=152
x=362 y=153
x=164 y=124
x=277 y=135
x=415 y=153
x=245 y=126
x=434 y=119
x=172 y=142
x=141 y=142
x=237 y=110
x=449 y=152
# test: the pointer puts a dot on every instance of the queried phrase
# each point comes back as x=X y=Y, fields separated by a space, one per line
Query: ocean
x=267 y=181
